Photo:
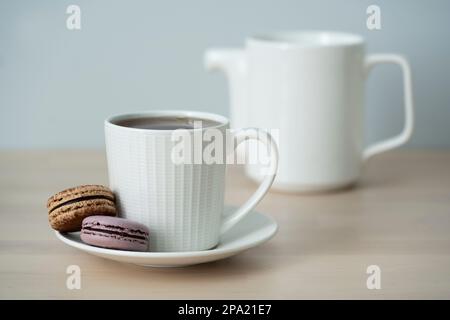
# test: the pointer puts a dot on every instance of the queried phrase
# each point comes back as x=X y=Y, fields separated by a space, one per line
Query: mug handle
x=404 y=136
x=239 y=136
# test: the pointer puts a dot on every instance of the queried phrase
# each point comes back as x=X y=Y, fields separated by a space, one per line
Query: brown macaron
x=68 y=208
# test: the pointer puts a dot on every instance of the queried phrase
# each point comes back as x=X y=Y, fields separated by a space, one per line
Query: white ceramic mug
x=309 y=85
x=182 y=204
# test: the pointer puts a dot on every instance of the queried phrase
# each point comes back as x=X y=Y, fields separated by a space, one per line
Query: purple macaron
x=114 y=233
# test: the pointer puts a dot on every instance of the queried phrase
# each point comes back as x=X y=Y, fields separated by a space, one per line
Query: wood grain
x=397 y=217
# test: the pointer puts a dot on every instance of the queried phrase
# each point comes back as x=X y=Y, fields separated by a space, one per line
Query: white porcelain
x=181 y=204
x=310 y=85
x=253 y=230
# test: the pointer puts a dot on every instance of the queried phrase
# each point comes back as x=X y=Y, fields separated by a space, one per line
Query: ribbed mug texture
x=181 y=204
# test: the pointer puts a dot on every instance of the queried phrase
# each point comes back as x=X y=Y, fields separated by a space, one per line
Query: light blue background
x=57 y=86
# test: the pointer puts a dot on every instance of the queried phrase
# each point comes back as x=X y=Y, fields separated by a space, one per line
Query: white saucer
x=255 y=229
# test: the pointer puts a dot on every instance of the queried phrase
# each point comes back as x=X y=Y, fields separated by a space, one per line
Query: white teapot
x=310 y=86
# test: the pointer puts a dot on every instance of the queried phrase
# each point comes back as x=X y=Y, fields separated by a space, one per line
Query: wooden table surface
x=398 y=218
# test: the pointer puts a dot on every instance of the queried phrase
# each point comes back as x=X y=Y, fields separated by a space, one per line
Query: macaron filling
x=122 y=233
x=85 y=198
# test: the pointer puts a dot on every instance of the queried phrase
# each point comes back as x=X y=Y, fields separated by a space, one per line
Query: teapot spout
x=228 y=60
x=233 y=63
